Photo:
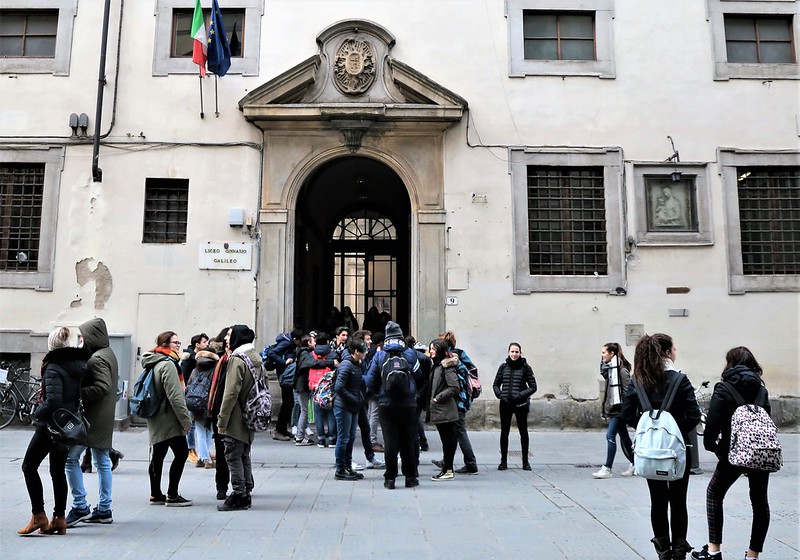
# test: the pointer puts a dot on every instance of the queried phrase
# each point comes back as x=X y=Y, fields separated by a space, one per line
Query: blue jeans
x=325 y=423
x=202 y=437
x=617 y=426
x=190 y=436
x=346 y=424
x=102 y=464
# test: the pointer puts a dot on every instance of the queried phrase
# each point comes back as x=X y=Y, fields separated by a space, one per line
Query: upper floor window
x=30 y=33
x=567 y=208
x=172 y=53
x=762 y=209
x=36 y=36
x=166 y=203
x=754 y=38
x=759 y=39
x=558 y=36
x=183 y=43
x=561 y=38
x=21 y=196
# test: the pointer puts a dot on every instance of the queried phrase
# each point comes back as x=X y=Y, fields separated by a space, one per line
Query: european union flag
x=219 y=52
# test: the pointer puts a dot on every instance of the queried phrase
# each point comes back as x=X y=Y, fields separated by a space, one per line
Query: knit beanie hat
x=393 y=330
x=59 y=338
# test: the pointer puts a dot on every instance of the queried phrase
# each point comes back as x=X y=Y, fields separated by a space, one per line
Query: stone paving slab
x=557 y=511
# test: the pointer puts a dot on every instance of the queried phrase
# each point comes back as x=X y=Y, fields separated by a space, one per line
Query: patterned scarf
x=174 y=356
x=217 y=380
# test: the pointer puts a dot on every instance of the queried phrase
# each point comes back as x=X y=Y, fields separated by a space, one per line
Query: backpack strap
x=737 y=396
x=643 y=400
x=672 y=390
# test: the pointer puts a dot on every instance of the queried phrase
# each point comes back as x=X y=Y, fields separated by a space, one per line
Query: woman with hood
x=743 y=371
x=442 y=408
x=513 y=385
x=63 y=368
x=168 y=427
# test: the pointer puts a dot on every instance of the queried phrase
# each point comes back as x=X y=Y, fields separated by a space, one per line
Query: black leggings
x=521 y=413
x=668 y=505
x=41 y=446
x=180 y=450
x=447 y=433
x=723 y=478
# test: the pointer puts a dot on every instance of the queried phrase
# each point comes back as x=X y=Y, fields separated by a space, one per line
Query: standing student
x=615 y=369
x=653 y=371
x=99 y=396
x=513 y=385
x=168 y=427
x=442 y=408
x=63 y=368
x=187 y=364
x=743 y=372
x=348 y=401
x=222 y=474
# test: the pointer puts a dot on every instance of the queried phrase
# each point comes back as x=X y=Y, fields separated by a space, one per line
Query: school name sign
x=226 y=256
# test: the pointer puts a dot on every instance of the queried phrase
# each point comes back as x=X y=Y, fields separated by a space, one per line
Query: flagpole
x=216 y=97
x=202 y=114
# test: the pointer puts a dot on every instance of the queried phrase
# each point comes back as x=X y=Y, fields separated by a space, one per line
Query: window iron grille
x=769 y=216
x=365 y=225
x=165 y=210
x=567 y=221
x=21 y=197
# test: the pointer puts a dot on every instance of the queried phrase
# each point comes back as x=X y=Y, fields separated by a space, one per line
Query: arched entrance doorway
x=352 y=244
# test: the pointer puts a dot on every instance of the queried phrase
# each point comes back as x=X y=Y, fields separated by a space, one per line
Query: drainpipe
x=97 y=173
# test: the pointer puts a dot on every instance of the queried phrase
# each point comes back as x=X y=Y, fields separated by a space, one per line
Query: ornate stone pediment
x=352 y=78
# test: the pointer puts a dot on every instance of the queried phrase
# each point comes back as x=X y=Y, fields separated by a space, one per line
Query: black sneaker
x=158 y=500
x=502 y=466
x=100 y=517
x=234 y=502
x=356 y=474
x=438 y=463
x=412 y=482
x=388 y=483
x=345 y=475
x=115 y=457
x=75 y=516
x=703 y=554
x=467 y=470
x=178 y=501
x=222 y=494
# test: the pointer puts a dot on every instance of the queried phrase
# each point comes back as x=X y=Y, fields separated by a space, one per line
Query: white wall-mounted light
x=236 y=217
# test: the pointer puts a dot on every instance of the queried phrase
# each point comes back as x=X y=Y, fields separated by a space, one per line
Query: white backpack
x=659 y=452
x=754 y=436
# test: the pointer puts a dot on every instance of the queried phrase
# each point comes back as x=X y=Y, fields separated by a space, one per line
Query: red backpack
x=315 y=374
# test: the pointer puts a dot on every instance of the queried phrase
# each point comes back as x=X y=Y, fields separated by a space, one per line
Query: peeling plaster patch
x=103 y=282
x=75 y=303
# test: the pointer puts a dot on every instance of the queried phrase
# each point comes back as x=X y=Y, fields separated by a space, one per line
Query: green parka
x=99 y=386
x=172 y=417
x=238 y=382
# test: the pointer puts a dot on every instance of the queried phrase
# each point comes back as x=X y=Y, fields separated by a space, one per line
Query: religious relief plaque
x=354 y=67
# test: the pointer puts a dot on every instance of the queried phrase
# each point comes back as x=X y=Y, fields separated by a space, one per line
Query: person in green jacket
x=168 y=427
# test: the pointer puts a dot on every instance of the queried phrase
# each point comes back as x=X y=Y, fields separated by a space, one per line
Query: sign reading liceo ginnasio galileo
x=226 y=256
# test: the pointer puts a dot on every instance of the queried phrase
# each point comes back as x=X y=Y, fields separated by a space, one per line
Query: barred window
x=567 y=221
x=558 y=35
x=165 y=210
x=759 y=39
x=29 y=33
x=21 y=197
x=769 y=213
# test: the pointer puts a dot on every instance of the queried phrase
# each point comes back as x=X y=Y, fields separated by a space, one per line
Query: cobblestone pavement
x=300 y=511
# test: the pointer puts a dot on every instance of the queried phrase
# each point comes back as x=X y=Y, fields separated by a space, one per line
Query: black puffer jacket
x=684 y=406
x=350 y=386
x=514 y=382
x=717 y=436
x=62 y=372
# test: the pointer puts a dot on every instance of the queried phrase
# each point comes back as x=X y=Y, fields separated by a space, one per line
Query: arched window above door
x=365 y=225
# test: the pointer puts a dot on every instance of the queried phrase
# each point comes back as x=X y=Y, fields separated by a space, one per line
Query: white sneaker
x=628 y=471
x=308 y=431
x=604 y=472
x=294 y=430
x=357 y=466
x=376 y=464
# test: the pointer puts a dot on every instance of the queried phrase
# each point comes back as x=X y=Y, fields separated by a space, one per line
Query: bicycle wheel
x=8 y=408
x=26 y=415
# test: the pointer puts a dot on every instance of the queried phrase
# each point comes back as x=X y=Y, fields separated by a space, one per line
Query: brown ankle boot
x=38 y=521
x=58 y=526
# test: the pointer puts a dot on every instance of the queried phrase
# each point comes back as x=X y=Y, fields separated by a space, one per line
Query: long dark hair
x=441 y=347
x=742 y=356
x=616 y=349
x=648 y=360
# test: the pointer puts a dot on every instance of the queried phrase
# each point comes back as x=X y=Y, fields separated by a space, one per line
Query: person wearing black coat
x=63 y=368
x=513 y=385
x=743 y=371
x=653 y=371
x=348 y=401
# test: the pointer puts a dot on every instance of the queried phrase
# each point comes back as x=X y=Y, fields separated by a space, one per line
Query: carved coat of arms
x=354 y=66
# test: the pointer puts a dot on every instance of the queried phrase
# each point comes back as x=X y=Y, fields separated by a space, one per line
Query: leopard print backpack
x=754 y=436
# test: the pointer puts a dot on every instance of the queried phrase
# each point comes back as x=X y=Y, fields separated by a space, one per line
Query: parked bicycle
x=19 y=394
x=703 y=396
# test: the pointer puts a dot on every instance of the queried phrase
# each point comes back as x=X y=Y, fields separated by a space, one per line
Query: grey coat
x=172 y=418
x=99 y=386
x=444 y=389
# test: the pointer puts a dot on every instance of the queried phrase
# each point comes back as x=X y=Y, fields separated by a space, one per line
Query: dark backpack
x=257 y=409
x=287 y=378
x=396 y=375
x=145 y=402
x=197 y=391
x=269 y=362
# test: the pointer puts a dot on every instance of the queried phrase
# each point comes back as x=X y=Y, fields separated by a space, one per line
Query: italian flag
x=200 y=47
